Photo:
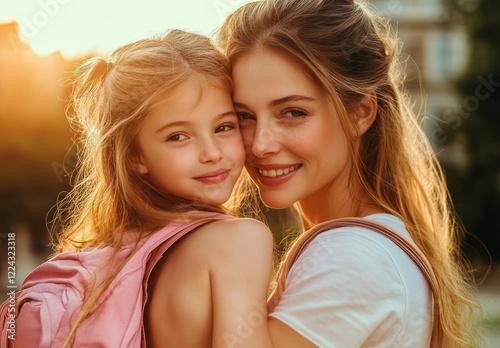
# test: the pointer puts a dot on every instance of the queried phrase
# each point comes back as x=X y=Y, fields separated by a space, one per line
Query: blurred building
x=34 y=141
x=436 y=53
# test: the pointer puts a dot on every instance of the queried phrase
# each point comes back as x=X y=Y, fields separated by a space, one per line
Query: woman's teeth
x=278 y=172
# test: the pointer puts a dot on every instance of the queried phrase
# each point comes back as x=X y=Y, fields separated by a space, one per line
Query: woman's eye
x=293 y=113
x=225 y=127
x=243 y=116
x=177 y=137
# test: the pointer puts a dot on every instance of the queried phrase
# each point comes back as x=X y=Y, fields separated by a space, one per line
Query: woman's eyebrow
x=239 y=105
x=290 y=98
x=276 y=102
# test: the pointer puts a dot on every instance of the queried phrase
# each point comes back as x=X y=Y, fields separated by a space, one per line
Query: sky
x=76 y=27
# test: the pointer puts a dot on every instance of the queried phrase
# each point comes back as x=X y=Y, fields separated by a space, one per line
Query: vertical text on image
x=11 y=286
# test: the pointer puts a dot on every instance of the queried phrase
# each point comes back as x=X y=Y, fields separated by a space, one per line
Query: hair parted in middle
x=351 y=52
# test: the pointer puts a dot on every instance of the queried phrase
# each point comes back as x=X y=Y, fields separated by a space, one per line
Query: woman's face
x=296 y=149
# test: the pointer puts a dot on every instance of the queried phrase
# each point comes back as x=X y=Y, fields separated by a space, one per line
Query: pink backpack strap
x=157 y=245
x=407 y=246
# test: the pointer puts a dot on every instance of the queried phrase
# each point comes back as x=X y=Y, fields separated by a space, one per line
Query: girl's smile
x=191 y=145
x=214 y=177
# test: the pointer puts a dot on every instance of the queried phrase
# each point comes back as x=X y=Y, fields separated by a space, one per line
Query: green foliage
x=476 y=189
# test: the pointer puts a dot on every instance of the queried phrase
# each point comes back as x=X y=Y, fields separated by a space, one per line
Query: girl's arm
x=240 y=270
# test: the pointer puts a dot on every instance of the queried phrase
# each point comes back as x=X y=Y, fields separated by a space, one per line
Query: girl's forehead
x=190 y=96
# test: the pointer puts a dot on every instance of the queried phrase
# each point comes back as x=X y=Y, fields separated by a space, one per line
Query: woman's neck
x=332 y=204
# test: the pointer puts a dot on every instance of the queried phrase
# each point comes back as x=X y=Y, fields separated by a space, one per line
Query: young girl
x=160 y=147
x=327 y=128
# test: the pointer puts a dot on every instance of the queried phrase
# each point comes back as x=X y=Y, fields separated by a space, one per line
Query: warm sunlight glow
x=75 y=27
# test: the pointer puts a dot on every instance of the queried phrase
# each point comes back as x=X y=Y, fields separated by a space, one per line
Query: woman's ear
x=366 y=113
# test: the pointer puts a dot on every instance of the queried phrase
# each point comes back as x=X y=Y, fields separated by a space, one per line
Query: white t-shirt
x=353 y=287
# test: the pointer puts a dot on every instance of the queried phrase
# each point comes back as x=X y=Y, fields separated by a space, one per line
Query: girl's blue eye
x=294 y=113
x=177 y=137
x=225 y=127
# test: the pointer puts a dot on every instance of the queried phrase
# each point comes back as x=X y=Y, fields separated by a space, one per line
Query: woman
x=327 y=128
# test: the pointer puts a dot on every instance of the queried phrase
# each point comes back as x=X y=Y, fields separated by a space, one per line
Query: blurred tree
x=475 y=188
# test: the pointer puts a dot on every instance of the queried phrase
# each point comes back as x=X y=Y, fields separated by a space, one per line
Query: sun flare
x=77 y=27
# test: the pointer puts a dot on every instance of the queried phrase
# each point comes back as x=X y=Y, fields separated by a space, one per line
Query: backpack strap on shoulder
x=159 y=244
x=407 y=246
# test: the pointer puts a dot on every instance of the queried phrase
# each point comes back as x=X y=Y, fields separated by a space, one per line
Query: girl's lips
x=215 y=177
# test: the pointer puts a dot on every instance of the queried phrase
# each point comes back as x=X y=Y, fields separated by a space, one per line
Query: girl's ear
x=139 y=165
x=366 y=113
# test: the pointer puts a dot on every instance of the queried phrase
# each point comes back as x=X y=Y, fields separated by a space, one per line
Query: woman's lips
x=274 y=175
x=215 y=177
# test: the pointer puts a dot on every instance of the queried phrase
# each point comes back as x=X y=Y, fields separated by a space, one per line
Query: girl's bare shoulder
x=222 y=239
x=237 y=226
x=223 y=243
x=239 y=233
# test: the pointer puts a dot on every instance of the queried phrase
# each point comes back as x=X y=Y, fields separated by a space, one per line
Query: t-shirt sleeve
x=344 y=291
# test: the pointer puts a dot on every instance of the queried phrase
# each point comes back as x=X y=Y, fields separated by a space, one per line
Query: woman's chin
x=273 y=201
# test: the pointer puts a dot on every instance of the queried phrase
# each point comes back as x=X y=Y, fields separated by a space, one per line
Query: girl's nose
x=210 y=151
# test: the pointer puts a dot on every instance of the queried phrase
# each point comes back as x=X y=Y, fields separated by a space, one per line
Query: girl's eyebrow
x=172 y=124
x=188 y=123
x=284 y=100
x=229 y=113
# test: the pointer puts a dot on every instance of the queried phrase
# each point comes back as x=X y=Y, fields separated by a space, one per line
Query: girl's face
x=191 y=145
x=296 y=149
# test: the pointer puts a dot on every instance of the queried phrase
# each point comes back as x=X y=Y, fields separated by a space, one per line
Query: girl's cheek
x=247 y=133
x=238 y=147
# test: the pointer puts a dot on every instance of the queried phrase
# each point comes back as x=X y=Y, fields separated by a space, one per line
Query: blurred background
x=452 y=54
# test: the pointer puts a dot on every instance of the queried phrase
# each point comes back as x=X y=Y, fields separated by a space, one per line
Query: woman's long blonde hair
x=111 y=98
x=351 y=52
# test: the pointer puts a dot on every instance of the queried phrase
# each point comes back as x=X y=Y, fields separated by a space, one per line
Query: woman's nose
x=264 y=141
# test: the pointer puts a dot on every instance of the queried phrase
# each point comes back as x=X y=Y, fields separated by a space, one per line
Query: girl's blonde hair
x=111 y=98
x=351 y=52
